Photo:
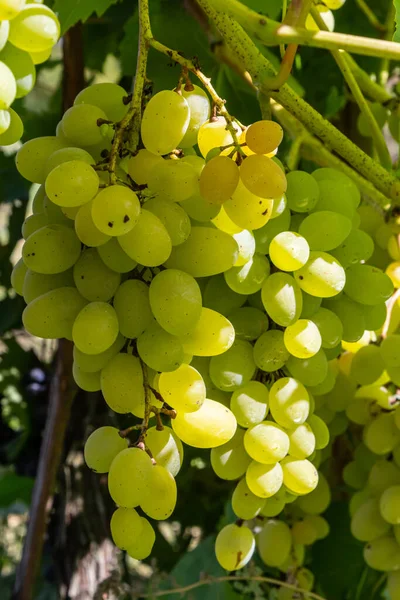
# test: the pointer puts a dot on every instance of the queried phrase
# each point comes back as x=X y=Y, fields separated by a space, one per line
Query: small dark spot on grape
x=126 y=219
x=301 y=277
x=110 y=224
x=82 y=277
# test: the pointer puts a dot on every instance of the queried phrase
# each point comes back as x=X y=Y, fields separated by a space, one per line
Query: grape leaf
x=70 y=12
x=396 y=35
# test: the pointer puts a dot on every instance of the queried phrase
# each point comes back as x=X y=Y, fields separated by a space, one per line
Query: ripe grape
x=282 y=298
x=246 y=245
x=166 y=448
x=183 y=389
x=210 y=426
x=274 y=542
x=111 y=252
x=65 y=155
x=357 y=247
x=87 y=231
x=299 y=475
x=320 y=431
x=367 y=365
x=122 y=384
x=266 y=442
x=35 y=28
x=22 y=68
x=214 y=133
x=302 y=191
x=165 y=121
x=92 y=363
x=389 y=505
x=107 y=96
x=302 y=441
x=14 y=130
x=234 y=547
x=383 y=553
x=367 y=284
x=272 y=228
x=248 y=278
x=95 y=328
x=141 y=546
x=136 y=242
x=270 y=352
x=32 y=156
x=125 y=526
x=325 y=229
x=289 y=402
x=221 y=298
x=93 y=279
x=321 y=276
x=159 y=498
x=263 y=137
x=132 y=305
x=173 y=217
x=262 y=176
x=318 y=500
x=329 y=326
x=302 y=339
x=289 y=251
x=245 y=504
x=18 y=275
x=89 y=382
x=37 y=284
x=264 y=480
x=51 y=249
x=219 y=180
x=233 y=368
x=230 y=460
x=140 y=165
x=212 y=335
x=129 y=476
x=249 y=323
x=249 y=403
x=101 y=447
x=115 y=210
x=159 y=349
x=175 y=180
x=246 y=209
x=80 y=127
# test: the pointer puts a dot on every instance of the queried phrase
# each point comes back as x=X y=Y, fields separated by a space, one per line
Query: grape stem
x=371 y=16
x=259 y=67
x=147 y=404
x=209 y=580
x=342 y=62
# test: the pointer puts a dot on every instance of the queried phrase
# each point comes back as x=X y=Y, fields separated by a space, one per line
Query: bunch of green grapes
x=204 y=283
x=28 y=33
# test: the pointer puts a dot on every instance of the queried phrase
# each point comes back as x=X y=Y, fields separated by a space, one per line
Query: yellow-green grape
x=329 y=326
x=381 y=435
x=274 y=505
x=126 y=525
x=262 y=176
x=175 y=300
x=289 y=251
x=37 y=284
x=22 y=68
x=122 y=384
x=302 y=441
x=367 y=284
x=72 y=183
x=173 y=217
x=86 y=230
x=328 y=383
x=234 y=547
x=304 y=532
x=141 y=546
x=32 y=156
x=367 y=523
x=389 y=505
x=249 y=323
x=367 y=365
x=34 y=28
x=357 y=247
x=299 y=475
x=8 y=89
x=213 y=134
x=166 y=448
x=210 y=426
x=302 y=191
x=18 y=275
x=335 y=195
x=51 y=249
x=101 y=447
x=41 y=56
x=112 y=254
x=264 y=480
x=249 y=403
x=140 y=165
x=93 y=279
x=206 y=252
x=95 y=328
x=248 y=210
x=321 y=276
x=352 y=191
x=263 y=137
x=320 y=524
x=282 y=298
x=219 y=297
x=219 y=180
x=65 y=155
x=246 y=245
x=198 y=209
x=383 y=553
x=115 y=210
x=279 y=206
x=393 y=585
x=159 y=349
x=80 y=127
x=230 y=460
x=54 y=213
x=199 y=106
x=273 y=227
x=383 y=474
x=325 y=229
x=274 y=543
x=302 y=339
x=132 y=305
x=320 y=431
x=318 y=500
x=266 y=443
x=390 y=350
x=107 y=96
x=270 y=352
x=174 y=179
x=159 y=499
x=91 y=363
x=248 y=278
x=289 y=402
x=4 y=30
x=129 y=476
x=52 y=315
x=165 y=121
x=212 y=336
x=225 y=223
x=10 y=8
x=14 y=131
x=33 y=223
x=136 y=242
x=89 y=382
x=310 y=371
x=351 y=315
x=234 y=368
x=183 y=389
x=245 y=504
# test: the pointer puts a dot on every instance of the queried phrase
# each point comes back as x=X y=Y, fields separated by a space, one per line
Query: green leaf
x=200 y=561
x=396 y=35
x=15 y=488
x=71 y=11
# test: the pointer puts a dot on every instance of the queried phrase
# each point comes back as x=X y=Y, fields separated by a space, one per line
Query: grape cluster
x=28 y=33
x=208 y=286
